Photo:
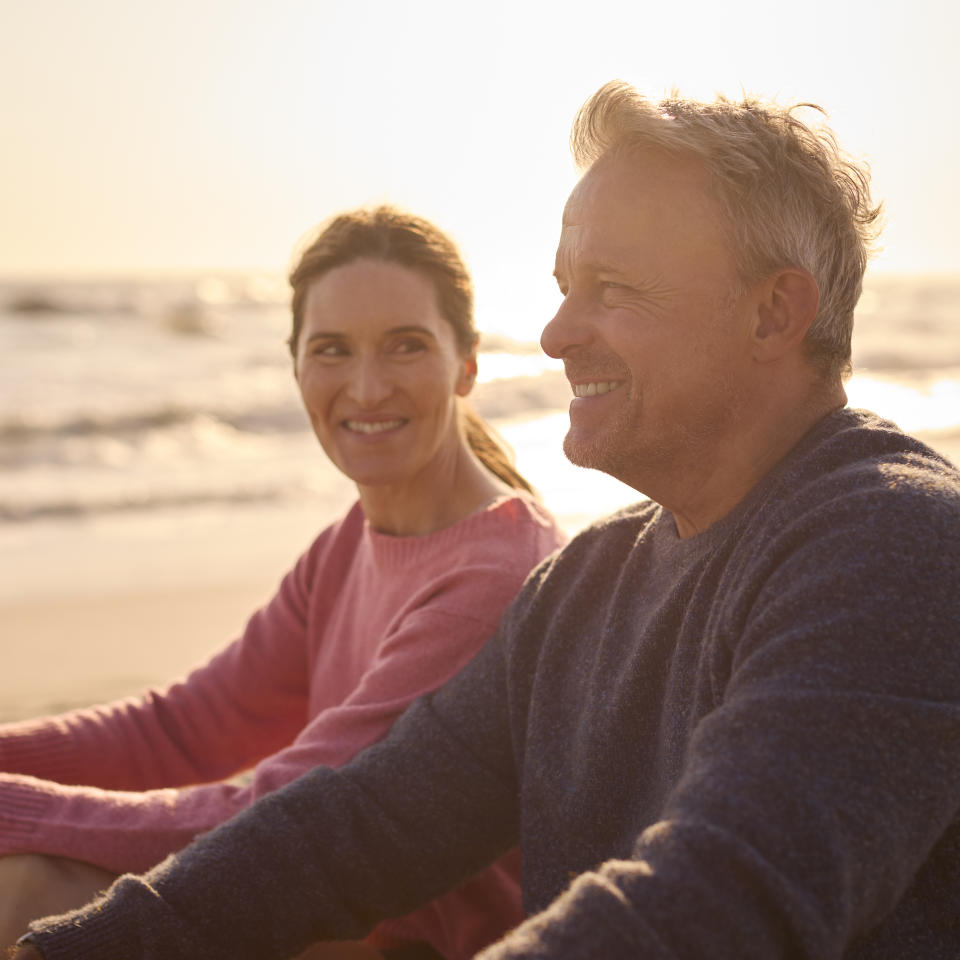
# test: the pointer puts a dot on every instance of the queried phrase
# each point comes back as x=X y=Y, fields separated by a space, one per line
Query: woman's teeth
x=373 y=426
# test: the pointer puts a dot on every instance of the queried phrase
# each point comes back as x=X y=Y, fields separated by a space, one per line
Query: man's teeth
x=595 y=389
x=373 y=426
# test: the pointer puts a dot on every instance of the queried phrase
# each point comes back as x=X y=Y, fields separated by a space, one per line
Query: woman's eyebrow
x=391 y=331
x=326 y=335
x=411 y=328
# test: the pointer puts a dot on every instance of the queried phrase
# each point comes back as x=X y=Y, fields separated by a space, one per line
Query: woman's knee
x=34 y=885
x=40 y=872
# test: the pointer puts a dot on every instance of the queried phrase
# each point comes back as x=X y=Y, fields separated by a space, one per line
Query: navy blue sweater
x=742 y=744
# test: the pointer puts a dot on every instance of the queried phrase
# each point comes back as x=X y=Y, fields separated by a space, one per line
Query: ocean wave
x=74 y=509
x=140 y=295
x=21 y=429
x=38 y=304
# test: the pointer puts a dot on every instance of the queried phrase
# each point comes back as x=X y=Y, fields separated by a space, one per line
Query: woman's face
x=379 y=372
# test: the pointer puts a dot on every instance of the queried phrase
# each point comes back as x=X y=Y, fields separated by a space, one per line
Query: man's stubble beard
x=637 y=454
x=610 y=450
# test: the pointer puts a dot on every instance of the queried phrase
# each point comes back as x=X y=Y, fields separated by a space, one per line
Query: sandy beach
x=94 y=611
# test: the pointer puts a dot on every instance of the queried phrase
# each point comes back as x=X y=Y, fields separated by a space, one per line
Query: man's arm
x=330 y=855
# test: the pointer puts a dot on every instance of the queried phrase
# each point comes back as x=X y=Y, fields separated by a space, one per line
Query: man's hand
x=26 y=952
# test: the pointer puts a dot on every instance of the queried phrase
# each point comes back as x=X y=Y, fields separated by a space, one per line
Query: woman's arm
x=247 y=702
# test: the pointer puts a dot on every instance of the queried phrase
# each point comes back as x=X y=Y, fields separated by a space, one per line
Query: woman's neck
x=453 y=488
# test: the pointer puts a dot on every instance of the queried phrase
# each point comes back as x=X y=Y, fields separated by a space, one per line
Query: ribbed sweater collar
x=392 y=552
x=670 y=546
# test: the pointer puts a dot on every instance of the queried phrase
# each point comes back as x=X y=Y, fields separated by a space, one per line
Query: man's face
x=652 y=329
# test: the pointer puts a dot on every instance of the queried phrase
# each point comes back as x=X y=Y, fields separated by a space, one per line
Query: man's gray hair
x=791 y=197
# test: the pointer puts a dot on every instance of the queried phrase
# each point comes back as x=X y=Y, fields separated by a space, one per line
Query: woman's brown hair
x=386 y=233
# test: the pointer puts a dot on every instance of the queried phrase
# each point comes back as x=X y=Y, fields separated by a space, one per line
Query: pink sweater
x=362 y=625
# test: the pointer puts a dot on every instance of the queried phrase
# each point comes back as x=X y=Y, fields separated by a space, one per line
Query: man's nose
x=568 y=329
x=370 y=383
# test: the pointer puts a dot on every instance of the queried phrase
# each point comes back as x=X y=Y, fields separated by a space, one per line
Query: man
x=724 y=723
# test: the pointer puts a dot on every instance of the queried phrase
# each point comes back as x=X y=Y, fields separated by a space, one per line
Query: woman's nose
x=370 y=383
x=567 y=330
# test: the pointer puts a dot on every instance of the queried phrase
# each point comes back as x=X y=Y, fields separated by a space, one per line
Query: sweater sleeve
x=332 y=853
x=421 y=652
x=131 y=830
x=813 y=796
x=246 y=701
x=98 y=784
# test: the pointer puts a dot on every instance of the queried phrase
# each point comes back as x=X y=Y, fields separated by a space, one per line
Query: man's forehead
x=600 y=221
x=596 y=248
x=580 y=197
x=624 y=197
x=647 y=176
x=592 y=205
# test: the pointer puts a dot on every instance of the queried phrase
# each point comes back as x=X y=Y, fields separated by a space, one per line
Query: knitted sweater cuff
x=93 y=933
x=23 y=806
x=39 y=748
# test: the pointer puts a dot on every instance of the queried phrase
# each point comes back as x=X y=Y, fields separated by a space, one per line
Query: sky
x=209 y=135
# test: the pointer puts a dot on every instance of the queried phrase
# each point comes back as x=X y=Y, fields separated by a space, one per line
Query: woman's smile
x=373 y=428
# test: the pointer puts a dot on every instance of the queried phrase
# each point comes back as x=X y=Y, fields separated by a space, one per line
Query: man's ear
x=787 y=305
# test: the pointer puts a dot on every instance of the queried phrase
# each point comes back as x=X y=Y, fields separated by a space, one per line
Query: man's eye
x=329 y=350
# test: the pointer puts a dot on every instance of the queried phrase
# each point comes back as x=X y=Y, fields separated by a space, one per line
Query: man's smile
x=595 y=388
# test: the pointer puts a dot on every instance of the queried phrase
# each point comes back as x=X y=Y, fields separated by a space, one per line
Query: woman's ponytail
x=490 y=451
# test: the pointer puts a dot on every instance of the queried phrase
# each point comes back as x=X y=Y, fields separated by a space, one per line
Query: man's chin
x=585 y=452
x=605 y=455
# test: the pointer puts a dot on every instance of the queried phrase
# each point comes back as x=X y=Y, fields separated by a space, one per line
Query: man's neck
x=712 y=489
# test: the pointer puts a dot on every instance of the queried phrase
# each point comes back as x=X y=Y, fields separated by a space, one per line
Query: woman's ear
x=468 y=374
x=786 y=308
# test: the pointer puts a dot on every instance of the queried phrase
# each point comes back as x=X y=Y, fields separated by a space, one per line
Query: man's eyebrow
x=594 y=267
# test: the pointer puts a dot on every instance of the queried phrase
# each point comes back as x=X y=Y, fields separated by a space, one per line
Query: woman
x=385 y=605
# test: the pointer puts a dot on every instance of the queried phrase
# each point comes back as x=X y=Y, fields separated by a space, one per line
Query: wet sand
x=95 y=611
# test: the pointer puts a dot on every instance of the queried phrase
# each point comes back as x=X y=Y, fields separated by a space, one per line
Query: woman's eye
x=409 y=345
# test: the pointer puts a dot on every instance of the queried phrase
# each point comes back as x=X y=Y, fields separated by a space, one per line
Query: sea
x=125 y=397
